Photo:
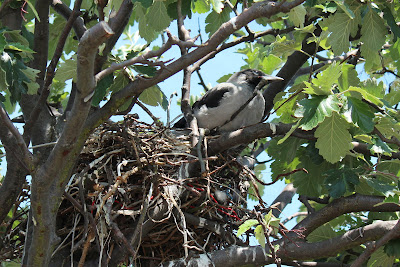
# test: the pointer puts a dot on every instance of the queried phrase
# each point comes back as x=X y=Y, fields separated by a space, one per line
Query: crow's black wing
x=213 y=97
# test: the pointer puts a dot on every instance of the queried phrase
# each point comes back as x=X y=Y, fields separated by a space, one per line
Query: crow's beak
x=265 y=79
x=268 y=78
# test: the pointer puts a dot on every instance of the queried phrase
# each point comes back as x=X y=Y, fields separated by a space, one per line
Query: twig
x=154 y=118
x=143 y=58
x=294 y=215
x=202 y=83
x=394 y=140
x=138 y=231
x=234 y=9
x=304 y=200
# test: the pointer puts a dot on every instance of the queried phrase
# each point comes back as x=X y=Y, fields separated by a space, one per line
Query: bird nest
x=127 y=168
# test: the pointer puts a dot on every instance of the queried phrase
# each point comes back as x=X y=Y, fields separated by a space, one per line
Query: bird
x=233 y=104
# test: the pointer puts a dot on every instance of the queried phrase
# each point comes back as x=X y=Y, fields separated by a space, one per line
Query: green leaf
x=342 y=180
x=218 y=5
x=372 y=36
x=101 y=89
x=345 y=8
x=149 y=71
x=244 y=227
x=393 y=97
x=361 y=114
x=341 y=27
x=394 y=53
x=366 y=95
x=214 y=20
x=380 y=259
x=324 y=232
x=157 y=16
x=297 y=15
x=3 y=43
x=287 y=106
x=55 y=30
x=19 y=47
x=379 y=187
x=283 y=46
x=313 y=111
x=260 y=236
x=145 y=31
x=144 y=3
x=67 y=70
x=390 y=20
x=289 y=133
x=270 y=63
x=389 y=166
x=33 y=9
x=284 y=155
x=334 y=139
x=119 y=82
x=322 y=85
x=348 y=78
x=272 y=222
x=31 y=74
x=388 y=126
x=311 y=183
x=380 y=147
x=186 y=11
x=15 y=79
x=286 y=151
x=201 y=6
x=392 y=248
x=152 y=96
x=374 y=88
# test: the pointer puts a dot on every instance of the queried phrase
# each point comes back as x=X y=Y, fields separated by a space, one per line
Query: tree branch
x=256 y=255
x=14 y=179
x=284 y=198
x=395 y=232
x=340 y=206
x=294 y=62
x=49 y=181
x=117 y=23
x=65 y=11
x=263 y=9
x=15 y=141
x=45 y=88
x=41 y=39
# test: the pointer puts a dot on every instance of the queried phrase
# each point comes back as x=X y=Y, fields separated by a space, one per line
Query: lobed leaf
x=334 y=139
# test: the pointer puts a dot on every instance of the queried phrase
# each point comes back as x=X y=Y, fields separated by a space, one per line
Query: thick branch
x=117 y=23
x=11 y=138
x=49 y=181
x=45 y=89
x=288 y=251
x=65 y=11
x=41 y=39
x=375 y=245
x=17 y=168
x=249 y=134
x=340 y=206
x=284 y=198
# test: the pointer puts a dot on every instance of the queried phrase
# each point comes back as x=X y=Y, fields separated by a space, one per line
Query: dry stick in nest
x=136 y=238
